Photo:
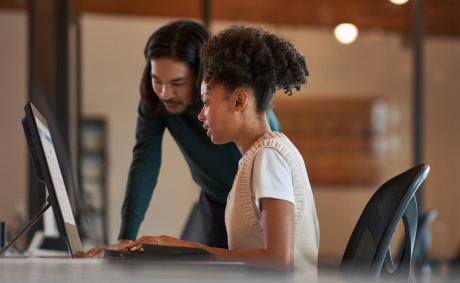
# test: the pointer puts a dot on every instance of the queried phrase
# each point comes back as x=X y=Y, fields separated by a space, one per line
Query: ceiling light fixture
x=346 y=33
x=399 y=2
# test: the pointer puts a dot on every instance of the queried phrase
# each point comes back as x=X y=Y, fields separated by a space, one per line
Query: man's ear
x=241 y=100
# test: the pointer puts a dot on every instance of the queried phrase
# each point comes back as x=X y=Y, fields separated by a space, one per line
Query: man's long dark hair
x=180 y=41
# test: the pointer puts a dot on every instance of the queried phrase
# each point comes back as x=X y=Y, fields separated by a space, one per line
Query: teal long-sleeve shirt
x=213 y=167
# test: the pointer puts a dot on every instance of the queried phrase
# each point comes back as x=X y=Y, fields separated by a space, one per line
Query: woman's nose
x=201 y=116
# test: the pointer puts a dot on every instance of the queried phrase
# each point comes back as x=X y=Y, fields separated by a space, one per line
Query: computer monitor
x=47 y=168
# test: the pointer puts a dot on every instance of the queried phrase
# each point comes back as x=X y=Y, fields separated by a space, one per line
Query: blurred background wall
x=13 y=97
x=377 y=64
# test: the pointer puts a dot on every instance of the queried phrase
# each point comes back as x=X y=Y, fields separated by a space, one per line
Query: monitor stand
x=32 y=222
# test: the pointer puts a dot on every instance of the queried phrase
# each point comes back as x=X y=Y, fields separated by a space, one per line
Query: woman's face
x=217 y=114
x=173 y=82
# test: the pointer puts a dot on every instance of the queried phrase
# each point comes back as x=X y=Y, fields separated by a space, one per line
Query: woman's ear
x=241 y=100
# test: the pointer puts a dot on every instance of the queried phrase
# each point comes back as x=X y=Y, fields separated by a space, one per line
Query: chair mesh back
x=381 y=214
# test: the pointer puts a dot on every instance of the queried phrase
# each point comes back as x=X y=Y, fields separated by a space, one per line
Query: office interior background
x=377 y=66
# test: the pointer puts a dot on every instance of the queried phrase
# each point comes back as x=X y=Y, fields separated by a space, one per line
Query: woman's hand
x=161 y=241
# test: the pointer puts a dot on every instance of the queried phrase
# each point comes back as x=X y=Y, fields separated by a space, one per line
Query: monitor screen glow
x=55 y=171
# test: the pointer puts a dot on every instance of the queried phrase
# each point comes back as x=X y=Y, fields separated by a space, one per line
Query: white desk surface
x=49 y=270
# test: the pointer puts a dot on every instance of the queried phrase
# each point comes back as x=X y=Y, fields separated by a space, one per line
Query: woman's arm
x=279 y=230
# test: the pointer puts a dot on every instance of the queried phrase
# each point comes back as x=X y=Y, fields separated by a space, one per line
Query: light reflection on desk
x=49 y=270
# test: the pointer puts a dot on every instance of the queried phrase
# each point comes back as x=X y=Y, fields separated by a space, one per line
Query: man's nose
x=166 y=92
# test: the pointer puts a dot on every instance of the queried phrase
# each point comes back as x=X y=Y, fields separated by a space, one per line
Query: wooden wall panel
x=339 y=139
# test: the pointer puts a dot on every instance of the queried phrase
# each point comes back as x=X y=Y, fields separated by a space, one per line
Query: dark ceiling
x=442 y=17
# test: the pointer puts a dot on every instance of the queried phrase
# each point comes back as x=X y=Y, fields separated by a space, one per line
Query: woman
x=270 y=215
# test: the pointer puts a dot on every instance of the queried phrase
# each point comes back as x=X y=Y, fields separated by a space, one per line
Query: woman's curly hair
x=246 y=56
x=180 y=41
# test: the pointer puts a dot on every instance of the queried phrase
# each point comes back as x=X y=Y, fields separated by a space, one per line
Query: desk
x=47 y=270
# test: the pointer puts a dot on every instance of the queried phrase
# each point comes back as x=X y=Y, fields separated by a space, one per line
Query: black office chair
x=422 y=246
x=194 y=230
x=369 y=244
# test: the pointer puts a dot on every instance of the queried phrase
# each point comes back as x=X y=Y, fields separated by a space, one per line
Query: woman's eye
x=177 y=84
x=156 y=82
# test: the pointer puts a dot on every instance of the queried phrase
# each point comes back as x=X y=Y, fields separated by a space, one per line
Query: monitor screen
x=55 y=170
x=47 y=167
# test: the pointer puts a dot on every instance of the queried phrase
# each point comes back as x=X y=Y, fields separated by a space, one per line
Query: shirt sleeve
x=144 y=171
x=271 y=177
x=273 y=122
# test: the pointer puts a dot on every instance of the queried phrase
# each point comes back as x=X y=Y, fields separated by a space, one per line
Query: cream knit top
x=244 y=229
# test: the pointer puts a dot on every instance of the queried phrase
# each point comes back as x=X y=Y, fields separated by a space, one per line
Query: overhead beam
x=441 y=17
x=13 y=4
x=169 y=8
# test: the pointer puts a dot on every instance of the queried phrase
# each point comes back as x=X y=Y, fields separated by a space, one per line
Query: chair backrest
x=423 y=241
x=370 y=241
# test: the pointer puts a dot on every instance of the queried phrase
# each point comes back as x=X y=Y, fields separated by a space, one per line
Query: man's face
x=173 y=82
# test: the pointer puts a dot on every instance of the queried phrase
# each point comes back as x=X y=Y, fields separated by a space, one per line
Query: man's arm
x=142 y=179
x=143 y=173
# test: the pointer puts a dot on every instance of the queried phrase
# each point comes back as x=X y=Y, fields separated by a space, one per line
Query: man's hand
x=161 y=241
x=99 y=250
